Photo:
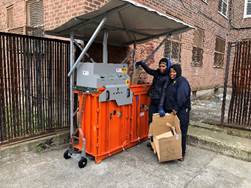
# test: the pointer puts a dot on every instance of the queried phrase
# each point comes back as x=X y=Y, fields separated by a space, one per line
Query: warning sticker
x=124 y=70
x=127 y=82
x=119 y=70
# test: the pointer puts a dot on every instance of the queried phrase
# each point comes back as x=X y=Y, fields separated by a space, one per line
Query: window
x=219 y=52
x=10 y=17
x=173 y=48
x=35 y=17
x=197 y=58
x=35 y=13
x=223 y=7
x=247 y=9
x=198 y=42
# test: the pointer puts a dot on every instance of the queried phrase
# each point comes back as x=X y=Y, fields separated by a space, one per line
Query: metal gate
x=239 y=112
x=34 y=89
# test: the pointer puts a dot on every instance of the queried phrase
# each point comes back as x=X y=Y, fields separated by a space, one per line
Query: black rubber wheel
x=67 y=155
x=82 y=162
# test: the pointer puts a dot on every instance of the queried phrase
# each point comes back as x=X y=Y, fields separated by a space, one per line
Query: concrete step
x=228 y=130
x=218 y=140
x=201 y=124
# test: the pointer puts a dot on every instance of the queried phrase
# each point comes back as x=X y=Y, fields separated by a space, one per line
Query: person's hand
x=137 y=64
x=161 y=112
x=174 y=112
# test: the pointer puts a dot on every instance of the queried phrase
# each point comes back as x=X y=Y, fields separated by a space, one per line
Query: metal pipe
x=71 y=83
x=105 y=48
x=88 y=45
x=229 y=47
x=133 y=63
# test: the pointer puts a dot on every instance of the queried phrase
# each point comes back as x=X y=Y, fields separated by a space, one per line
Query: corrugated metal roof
x=127 y=22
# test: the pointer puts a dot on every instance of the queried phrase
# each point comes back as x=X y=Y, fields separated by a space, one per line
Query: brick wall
x=237 y=14
x=240 y=26
x=57 y=12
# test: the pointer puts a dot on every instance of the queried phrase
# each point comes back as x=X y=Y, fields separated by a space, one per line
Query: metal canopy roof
x=127 y=22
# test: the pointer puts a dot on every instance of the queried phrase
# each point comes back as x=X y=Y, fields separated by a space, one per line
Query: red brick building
x=201 y=52
x=240 y=19
x=22 y=16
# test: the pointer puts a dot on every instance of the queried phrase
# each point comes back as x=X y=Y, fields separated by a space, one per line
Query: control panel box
x=97 y=75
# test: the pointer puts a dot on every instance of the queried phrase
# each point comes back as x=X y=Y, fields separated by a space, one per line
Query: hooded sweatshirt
x=159 y=79
x=176 y=92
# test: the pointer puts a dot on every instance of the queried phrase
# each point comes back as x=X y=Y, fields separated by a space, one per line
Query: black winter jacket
x=176 y=95
x=159 y=79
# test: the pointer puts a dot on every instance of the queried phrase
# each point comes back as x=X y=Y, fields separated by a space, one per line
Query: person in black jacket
x=176 y=100
x=160 y=76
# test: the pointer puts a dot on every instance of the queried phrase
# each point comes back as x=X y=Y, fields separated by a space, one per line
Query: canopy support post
x=105 y=48
x=87 y=45
x=71 y=84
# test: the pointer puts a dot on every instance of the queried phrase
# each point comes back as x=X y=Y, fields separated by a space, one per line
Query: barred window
x=173 y=48
x=35 y=13
x=198 y=42
x=35 y=19
x=10 y=17
x=223 y=7
x=219 y=52
x=197 y=58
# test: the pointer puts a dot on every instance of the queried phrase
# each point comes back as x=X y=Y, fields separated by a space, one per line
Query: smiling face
x=162 y=67
x=172 y=73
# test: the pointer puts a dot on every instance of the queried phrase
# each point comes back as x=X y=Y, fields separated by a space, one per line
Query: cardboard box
x=166 y=137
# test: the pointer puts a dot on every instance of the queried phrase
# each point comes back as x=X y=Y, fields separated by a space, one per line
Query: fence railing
x=239 y=114
x=34 y=88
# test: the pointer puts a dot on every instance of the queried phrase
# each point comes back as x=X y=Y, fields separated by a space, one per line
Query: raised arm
x=146 y=68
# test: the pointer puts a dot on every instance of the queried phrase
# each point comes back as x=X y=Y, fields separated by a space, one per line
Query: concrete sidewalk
x=136 y=167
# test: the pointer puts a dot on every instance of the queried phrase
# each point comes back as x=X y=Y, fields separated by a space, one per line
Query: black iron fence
x=34 y=88
x=240 y=103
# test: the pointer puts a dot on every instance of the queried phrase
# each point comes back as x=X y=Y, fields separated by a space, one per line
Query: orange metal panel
x=109 y=128
x=139 y=108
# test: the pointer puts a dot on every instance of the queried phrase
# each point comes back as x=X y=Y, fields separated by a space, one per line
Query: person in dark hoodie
x=160 y=76
x=176 y=100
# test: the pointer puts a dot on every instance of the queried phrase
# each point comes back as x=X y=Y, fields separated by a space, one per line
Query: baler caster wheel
x=82 y=162
x=67 y=155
